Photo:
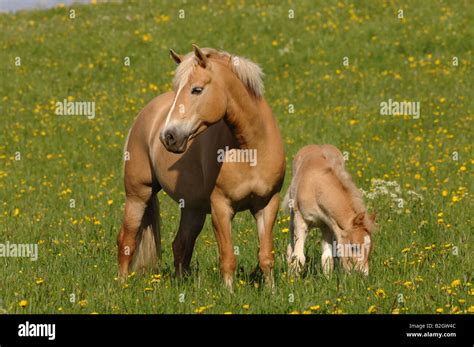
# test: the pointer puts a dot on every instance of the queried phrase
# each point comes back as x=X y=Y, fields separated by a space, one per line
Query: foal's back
x=318 y=187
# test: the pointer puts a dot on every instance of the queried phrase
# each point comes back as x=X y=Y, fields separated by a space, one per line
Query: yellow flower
x=274 y=43
x=396 y=311
x=228 y=312
x=471 y=309
x=245 y=306
x=16 y=212
x=454 y=198
x=455 y=283
x=408 y=284
x=294 y=312
x=444 y=193
x=83 y=303
x=148 y=289
x=405 y=250
x=372 y=309
x=462 y=168
x=417 y=176
x=146 y=37
x=110 y=202
x=380 y=293
x=315 y=308
x=39 y=281
x=23 y=303
x=284 y=230
x=439 y=310
x=442 y=100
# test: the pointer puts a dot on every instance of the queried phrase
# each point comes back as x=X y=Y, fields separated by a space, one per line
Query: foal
x=322 y=194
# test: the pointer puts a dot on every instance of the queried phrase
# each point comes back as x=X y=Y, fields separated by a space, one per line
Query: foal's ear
x=358 y=220
x=201 y=57
x=176 y=57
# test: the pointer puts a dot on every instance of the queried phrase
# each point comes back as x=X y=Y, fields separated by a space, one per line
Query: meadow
x=61 y=176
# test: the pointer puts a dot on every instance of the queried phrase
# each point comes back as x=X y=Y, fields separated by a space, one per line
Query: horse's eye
x=197 y=90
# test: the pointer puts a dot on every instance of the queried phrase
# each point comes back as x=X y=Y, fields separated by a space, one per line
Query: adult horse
x=217 y=105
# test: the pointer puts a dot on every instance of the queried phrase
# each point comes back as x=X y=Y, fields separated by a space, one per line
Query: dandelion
x=456 y=283
x=439 y=310
x=146 y=38
x=405 y=250
x=83 y=303
x=471 y=309
x=444 y=193
x=148 y=289
x=315 y=308
x=23 y=303
x=39 y=281
x=110 y=202
x=396 y=311
x=372 y=309
x=380 y=293
x=284 y=230
x=245 y=306
x=454 y=198
x=228 y=312
x=16 y=212
x=408 y=284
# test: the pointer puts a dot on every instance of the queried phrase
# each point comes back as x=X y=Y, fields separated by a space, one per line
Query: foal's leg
x=265 y=221
x=222 y=214
x=327 y=258
x=190 y=226
x=134 y=210
x=298 y=258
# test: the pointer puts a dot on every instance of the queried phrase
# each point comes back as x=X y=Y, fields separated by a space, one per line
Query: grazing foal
x=322 y=194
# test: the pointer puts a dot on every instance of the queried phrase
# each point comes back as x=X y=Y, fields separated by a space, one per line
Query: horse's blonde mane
x=246 y=70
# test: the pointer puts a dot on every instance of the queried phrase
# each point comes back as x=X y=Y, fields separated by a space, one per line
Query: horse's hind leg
x=190 y=225
x=300 y=232
x=327 y=258
x=139 y=240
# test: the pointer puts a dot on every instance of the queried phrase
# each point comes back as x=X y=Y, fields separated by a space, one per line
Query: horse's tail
x=148 y=250
x=286 y=201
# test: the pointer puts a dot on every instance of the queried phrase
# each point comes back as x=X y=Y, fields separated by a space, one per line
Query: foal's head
x=201 y=96
x=357 y=243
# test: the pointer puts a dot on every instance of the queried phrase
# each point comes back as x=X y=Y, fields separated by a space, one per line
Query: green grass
x=65 y=158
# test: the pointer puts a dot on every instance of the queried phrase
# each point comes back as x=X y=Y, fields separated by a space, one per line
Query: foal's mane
x=246 y=70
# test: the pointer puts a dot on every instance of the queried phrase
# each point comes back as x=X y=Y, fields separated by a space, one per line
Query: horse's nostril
x=169 y=137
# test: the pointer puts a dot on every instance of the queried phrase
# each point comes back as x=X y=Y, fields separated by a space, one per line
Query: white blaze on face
x=174 y=104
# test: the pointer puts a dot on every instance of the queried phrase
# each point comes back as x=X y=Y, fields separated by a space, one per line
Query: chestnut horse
x=217 y=106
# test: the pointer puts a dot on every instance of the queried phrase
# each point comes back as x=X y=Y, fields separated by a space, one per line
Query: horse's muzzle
x=174 y=140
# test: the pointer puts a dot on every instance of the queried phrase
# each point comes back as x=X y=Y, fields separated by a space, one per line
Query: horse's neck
x=246 y=120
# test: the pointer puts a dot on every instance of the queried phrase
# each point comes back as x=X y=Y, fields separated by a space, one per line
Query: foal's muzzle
x=174 y=140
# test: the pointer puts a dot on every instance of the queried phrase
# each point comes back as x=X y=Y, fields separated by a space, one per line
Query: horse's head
x=199 y=102
x=201 y=96
x=357 y=243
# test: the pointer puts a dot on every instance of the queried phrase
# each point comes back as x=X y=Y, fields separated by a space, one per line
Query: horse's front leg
x=265 y=218
x=222 y=214
x=190 y=226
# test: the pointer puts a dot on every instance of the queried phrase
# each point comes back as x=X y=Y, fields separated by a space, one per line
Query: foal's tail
x=148 y=248
x=286 y=201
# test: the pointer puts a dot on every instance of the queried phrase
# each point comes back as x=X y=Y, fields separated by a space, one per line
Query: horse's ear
x=176 y=57
x=201 y=57
x=358 y=220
